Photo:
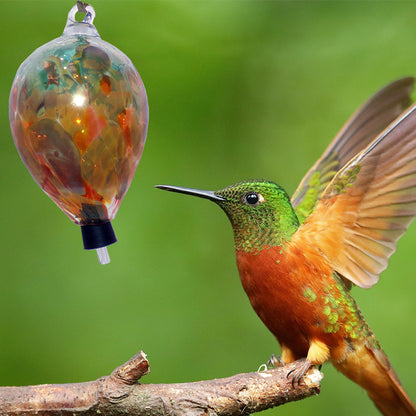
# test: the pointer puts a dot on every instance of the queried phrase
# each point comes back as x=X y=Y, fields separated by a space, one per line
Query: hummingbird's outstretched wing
x=363 y=126
x=368 y=205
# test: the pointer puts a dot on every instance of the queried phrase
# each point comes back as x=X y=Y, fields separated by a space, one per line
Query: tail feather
x=371 y=369
x=401 y=403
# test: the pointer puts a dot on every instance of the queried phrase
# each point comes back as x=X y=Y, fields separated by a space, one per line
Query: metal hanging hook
x=84 y=7
x=72 y=26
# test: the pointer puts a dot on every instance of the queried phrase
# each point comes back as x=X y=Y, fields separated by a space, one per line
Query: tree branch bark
x=120 y=393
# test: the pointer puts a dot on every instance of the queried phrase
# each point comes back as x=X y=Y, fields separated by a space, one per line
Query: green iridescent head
x=260 y=212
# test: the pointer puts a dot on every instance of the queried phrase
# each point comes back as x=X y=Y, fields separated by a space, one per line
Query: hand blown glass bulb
x=78 y=114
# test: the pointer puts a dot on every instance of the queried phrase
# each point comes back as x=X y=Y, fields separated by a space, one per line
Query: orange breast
x=289 y=290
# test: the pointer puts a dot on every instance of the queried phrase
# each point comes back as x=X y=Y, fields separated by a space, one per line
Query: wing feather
x=368 y=205
x=364 y=125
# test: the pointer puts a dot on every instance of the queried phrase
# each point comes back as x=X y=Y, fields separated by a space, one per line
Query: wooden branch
x=120 y=394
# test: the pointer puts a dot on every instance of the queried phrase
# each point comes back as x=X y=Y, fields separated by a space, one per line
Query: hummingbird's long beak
x=190 y=191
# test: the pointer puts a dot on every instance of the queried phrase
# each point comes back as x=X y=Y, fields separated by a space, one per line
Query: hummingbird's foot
x=275 y=362
x=299 y=371
x=263 y=367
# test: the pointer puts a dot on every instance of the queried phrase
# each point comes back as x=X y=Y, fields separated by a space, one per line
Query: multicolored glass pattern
x=79 y=114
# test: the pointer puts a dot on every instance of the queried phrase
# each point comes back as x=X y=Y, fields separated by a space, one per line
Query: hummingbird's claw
x=299 y=371
x=275 y=362
x=263 y=367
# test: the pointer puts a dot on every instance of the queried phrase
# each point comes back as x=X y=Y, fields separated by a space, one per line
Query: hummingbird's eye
x=253 y=198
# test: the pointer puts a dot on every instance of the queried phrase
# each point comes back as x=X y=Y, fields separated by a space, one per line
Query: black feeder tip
x=98 y=237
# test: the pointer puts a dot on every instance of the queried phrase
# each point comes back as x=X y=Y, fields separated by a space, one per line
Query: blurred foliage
x=237 y=89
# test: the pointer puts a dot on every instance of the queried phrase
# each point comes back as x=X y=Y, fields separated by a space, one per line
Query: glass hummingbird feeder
x=78 y=114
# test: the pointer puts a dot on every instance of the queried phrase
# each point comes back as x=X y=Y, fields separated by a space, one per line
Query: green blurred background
x=237 y=89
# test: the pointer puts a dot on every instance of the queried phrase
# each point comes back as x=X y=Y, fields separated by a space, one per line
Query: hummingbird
x=299 y=257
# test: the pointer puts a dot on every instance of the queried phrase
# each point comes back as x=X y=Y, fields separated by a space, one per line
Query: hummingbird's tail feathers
x=402 y=403
x=371 y=369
